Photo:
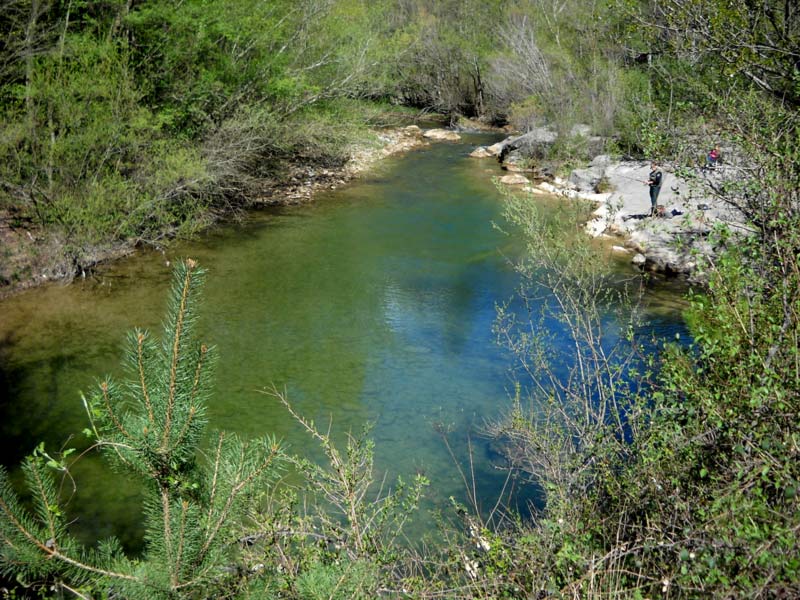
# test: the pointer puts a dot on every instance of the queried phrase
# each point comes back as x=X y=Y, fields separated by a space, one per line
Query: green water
x=373 y=304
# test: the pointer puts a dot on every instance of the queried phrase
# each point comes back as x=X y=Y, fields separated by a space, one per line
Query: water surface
x=374 y=304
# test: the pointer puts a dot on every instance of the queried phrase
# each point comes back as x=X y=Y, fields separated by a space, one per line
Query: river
x=373 y=304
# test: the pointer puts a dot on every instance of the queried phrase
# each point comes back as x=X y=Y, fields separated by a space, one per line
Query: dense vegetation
x=664 y=475
x=128 y=122
x=136 y=120
x=683 y=484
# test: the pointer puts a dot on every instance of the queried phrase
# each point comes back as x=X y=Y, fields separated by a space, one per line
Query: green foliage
x=338 y=582
x=85 y=157
x=341 y=534
x=126 y=121
x=121 y=121
x=728 y=422
x=150 y=426
x=701 y=498
x=741 y=41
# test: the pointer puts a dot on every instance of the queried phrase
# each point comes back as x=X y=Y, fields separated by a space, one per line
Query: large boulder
x=601 y=160
x=520 y=148
x=534 y=143
x=537 y=135
x=537 y=142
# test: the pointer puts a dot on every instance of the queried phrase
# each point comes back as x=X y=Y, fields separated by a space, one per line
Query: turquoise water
x=374 y=304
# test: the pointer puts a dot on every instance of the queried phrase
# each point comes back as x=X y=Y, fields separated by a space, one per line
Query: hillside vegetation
x=133 y=121
x=669 y=474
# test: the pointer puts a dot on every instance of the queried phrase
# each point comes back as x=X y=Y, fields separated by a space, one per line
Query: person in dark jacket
x=654 y=181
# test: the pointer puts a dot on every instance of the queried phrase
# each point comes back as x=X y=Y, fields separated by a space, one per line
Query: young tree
x=151 y=426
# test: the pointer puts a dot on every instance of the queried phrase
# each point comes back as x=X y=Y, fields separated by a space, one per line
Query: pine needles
x=150 y=425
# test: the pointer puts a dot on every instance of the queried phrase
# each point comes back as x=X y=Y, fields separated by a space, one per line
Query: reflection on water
x=374 y=304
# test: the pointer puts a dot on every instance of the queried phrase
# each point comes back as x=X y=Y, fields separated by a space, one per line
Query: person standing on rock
x=654 y=181
x=712 y=158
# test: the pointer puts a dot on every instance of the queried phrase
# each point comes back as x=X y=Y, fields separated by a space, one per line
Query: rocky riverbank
x=674 y=242
x=32 y=255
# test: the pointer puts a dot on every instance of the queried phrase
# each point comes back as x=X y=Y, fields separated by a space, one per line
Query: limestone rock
x=515 y=179
x=586 y=180
x=601 y=160
x=496 y=149
x=441 y=135
x=580 y=130
x=669 y=243
x=481 y=152
x=534 y=143
x=537 y=135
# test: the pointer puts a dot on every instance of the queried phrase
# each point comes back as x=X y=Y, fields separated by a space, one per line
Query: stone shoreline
x=676 y=242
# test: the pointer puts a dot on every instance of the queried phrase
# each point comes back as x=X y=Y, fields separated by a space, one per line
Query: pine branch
x=181 y=538
x=104 y=388
x=213 y=494
x=274 y=451
x=165 y=511
x=198 y=370
x=44 y=500
x=155 y=435
x=173 y=372
x=140 y=338
x=48 y=549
